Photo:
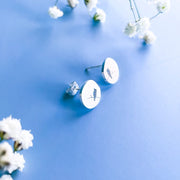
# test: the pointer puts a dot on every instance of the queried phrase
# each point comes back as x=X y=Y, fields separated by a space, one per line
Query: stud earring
x=109 y=69
x=90 y=93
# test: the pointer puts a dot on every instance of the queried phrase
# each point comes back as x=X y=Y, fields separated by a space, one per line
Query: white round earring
x=110 y=70
x=90 y=93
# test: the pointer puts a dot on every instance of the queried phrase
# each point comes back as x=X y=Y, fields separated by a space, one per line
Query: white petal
x=24 y=139
x=149 y=37
x=55 y=13
x=91 y=4
x=6 y=177
x=130 y=30
x=10 y=126
x=163 y=6
x=5 y=154
x=100 y=15
x=73 y=3
x=17 y=162
x=143 y=25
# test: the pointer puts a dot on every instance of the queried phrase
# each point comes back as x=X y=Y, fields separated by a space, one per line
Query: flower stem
x=153 y=17
x=56 y=2
x=137 y=9
x=132 y=9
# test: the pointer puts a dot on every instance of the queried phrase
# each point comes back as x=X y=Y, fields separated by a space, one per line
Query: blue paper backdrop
x=134 y=133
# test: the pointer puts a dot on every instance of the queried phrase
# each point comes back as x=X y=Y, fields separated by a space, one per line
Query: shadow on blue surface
x=74 y=103
x=14 y=175
x=28 y=12
x=144 y=48
x=50 y=91
x=68 y=12
x=96 y=24
x=99 y=80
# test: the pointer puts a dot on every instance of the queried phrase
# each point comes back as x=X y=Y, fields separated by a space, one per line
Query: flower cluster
x=10 y=159
x=141 y=26
x=55 y=12
x=99 y=15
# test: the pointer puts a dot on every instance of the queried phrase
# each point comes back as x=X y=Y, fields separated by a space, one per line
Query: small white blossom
x=163 y=6
x=73 y=88
x=130 y=30
x=6 y=177
x=9 y=127
x=23 y=140
x=17 y=163
x=5 y=154
x=55 y=13
x=143 y=25
x=149 y=37
x=73 y=3
x=100 y=15
x=91 y=4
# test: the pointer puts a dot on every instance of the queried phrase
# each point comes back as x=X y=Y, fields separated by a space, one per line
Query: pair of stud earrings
x=90 y=92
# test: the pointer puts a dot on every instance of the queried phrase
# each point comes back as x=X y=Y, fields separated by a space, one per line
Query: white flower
x=149 y=37
x=73 y=3
x=163 y=6
x=90 y=4
x=9 y=127
x=5 y=154
x=23 y=140
x=6 y=177
x=143 y=25
x=100 y=15
x=17 y=163
x=55 y=13
x=130 y=29
x=73 y=88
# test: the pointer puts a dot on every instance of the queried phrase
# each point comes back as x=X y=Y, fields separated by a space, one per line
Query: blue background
x=134 y=133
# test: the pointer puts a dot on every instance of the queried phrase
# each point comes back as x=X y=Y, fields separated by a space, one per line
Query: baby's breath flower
x=17 y=163
x=143 y=25
x=55 y=13
x=6 y=177
x=149 y=37
x=5 y=154
x=73 y=3
x=130 y=29
x=163 y=6
x=90 y=4
x=100 y=15
x=23 y=140
x=9 y=128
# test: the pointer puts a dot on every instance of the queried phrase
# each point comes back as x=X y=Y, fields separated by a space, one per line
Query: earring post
x=92 y=67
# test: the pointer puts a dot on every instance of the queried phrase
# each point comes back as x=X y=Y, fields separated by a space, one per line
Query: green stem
x=153 y=17
x=137 y=9
x=132 y=9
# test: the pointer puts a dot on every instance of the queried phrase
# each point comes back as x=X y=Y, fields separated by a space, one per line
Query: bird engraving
x=95 y=94
x=109 y=73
